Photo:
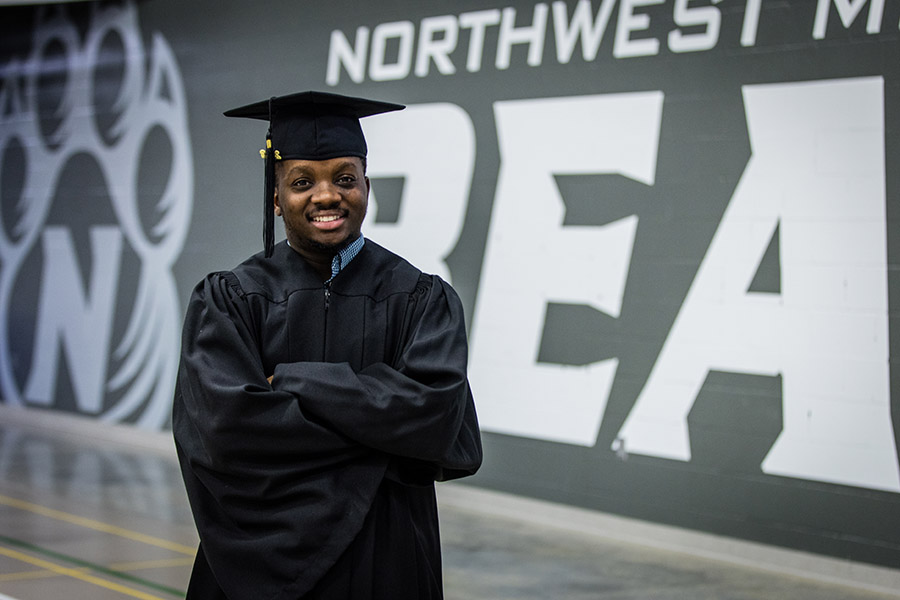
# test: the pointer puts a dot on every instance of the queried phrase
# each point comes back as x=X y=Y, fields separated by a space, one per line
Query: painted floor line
x=97 y=525
x=161 y=563
x=27 y=575
x=77 y=574
x=82 y=566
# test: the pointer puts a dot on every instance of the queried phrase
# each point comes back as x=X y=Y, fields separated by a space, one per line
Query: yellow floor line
x=151 y=564
x=25 y=575
x=97 y=525
x=77 y=574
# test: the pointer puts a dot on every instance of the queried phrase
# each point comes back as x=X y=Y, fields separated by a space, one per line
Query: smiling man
x=322 y=388
x=323 y=204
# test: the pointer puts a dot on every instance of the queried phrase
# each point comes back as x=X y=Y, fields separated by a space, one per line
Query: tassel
x=269 y=199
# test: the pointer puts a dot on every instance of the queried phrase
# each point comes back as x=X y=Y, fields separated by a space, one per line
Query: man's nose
x=325 y=193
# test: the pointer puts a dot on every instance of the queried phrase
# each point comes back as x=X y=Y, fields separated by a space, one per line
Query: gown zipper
x=325 y=325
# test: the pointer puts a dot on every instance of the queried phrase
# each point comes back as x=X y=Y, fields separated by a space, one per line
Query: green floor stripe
x=96 y=568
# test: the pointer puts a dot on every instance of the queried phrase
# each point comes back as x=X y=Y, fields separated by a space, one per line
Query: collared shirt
x=343 y=258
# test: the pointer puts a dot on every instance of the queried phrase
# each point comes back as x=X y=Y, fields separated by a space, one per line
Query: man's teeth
x=326 y=219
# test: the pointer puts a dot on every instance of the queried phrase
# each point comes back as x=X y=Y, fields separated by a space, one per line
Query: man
x=322 y=388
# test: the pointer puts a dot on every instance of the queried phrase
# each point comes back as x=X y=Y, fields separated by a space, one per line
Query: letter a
x=816 y=172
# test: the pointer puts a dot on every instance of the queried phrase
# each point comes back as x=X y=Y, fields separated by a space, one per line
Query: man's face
x=323 y=202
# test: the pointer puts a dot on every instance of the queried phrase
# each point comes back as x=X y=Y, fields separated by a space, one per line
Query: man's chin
x=325 y=247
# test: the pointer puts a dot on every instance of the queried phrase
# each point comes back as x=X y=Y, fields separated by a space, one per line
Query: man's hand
x=269 y=379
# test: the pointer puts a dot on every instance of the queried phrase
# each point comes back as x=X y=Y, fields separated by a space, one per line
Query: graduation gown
x=321 y=484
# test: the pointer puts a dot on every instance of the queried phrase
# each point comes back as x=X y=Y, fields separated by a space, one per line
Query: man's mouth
x=327 y=221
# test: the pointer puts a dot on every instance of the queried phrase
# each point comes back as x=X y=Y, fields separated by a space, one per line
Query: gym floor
x=97 y=512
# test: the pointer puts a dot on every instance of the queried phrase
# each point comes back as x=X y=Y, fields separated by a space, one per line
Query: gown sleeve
x=226 y=397
x=419 y=408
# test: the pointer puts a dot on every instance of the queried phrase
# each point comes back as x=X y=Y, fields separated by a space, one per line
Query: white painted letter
x=848 y=11
x=624 y=46
x=532 y=259
x=751 y=23
x=404 y=32
x=533 y=35
x=707 y=16
x=817 y=173
x=341 y=54
x=433 y=147
x=440 y=49
x=477 y=21
x=591 y=34
x=81 y=322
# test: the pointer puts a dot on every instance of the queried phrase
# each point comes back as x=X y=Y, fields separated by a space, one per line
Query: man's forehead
x=341 y=162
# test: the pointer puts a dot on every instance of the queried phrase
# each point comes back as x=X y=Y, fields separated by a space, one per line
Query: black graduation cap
x=308 y=126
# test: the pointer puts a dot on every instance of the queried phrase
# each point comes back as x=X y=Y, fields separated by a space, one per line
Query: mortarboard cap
x=308 y=126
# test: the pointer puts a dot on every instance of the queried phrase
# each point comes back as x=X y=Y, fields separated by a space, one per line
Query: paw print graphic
x=96 y=184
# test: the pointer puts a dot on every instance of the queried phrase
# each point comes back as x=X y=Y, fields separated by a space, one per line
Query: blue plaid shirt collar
x=343 y=258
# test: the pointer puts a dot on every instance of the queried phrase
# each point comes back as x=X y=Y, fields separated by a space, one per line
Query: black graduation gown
x=321 y=485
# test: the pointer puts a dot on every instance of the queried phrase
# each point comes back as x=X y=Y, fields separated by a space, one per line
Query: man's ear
x=277 y=204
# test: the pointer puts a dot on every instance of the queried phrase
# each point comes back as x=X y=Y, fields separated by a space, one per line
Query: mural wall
x=673 y=224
